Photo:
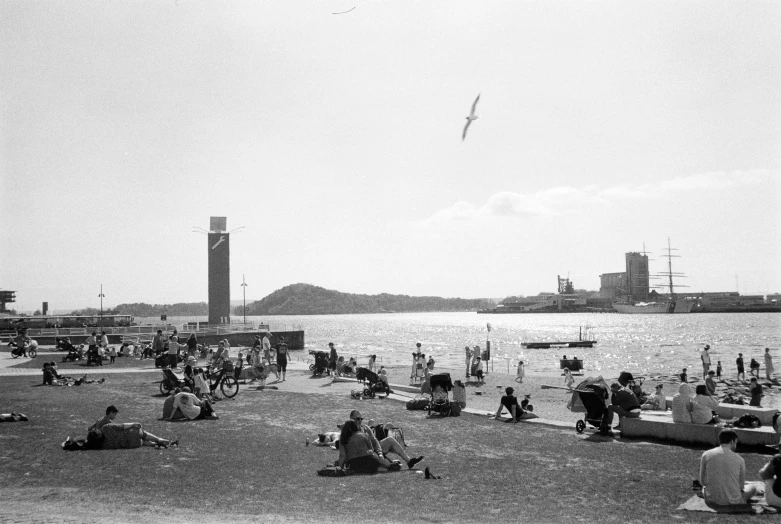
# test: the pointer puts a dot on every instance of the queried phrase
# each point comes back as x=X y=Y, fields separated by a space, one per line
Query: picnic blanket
x=697 y=503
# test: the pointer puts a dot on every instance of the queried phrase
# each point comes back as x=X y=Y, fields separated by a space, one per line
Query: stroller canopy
x=442 y=380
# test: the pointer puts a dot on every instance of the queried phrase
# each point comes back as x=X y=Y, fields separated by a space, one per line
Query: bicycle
x=224 y=379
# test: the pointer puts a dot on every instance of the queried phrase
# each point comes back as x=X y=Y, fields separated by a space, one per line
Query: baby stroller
x=372 y=383
x=441 y=385
x=93 y=357
x=72 y=356
x=590 y=397
x=172 y=380
x=321 y=363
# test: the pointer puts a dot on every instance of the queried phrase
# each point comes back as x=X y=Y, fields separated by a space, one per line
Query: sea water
x=641 y=344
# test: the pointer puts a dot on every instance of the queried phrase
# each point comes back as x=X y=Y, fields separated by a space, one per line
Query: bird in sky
x=472 y=116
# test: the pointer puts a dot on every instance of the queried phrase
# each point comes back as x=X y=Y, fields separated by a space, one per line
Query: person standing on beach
x=754 y=368
x=192 y=345
x=173 y=351
x=768 y=364
x=416 y=356
x=282 y=356
x=520 y=372
x=158 y=343
x=267 y=348
x=741 y=369
x=705 y=356
x=718 y=370
x=468 y=357
x=332 y=358
x=755 y=390
x=475 y=355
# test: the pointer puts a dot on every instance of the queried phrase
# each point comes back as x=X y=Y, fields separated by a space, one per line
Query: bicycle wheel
x=32 y=353
x=229 y=386
x=15 y=354
x=164 y=389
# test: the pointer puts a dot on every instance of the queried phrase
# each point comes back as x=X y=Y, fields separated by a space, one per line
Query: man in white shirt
x=705 y=356
x=723 y=473
x=191 y=406
x=173 y=351
x=267 y=348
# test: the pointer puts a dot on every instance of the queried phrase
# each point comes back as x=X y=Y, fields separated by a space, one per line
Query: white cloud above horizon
x=565 y=200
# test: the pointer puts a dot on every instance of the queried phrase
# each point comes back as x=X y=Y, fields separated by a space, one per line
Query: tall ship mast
x=638 y=299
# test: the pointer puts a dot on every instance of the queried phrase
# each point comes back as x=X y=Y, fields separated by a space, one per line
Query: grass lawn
x=252 y=464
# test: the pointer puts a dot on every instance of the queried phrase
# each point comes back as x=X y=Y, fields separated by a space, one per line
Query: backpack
x=748 y=421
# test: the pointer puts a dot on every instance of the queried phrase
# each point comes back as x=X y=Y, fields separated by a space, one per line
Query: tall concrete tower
x=637 y=277
x=219 y=271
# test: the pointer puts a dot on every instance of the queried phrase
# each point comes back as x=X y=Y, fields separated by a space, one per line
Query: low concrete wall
x=663 y=428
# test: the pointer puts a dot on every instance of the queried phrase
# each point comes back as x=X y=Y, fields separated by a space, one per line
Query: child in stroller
x=440 y=400
x=372 y=382
x=320 y=365
x=590 y=396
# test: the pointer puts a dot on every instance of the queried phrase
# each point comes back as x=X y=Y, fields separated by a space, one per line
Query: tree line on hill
x=306 y=299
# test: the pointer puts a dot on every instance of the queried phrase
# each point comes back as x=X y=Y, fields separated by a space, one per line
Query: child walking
x=112 y=354
x=568 y=380
x=520 y=372
x=718 y=369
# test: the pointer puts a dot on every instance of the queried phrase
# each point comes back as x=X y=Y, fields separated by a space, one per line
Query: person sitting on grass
x=509 y=401
x=657 y=401
x=357 y=453
x=106 y=434
x=723 y=473
x=623 y=402
x=384 y=446
x=193 y=407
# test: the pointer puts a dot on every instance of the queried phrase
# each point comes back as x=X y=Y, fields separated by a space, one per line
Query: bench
x=730 y=411
x=660 y=426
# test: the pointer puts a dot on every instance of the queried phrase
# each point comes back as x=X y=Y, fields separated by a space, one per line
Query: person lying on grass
x=357 y=454
x=510 y=402
x=106 y=434
x=384 y=446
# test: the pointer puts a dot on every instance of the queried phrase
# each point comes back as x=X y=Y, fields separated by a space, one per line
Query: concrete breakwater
x=294 y=339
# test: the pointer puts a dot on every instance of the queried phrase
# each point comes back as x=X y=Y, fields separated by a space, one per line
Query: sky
x=335 y=140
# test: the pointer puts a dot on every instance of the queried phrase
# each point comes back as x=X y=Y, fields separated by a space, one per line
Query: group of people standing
x=263 y=354
x=754 y=365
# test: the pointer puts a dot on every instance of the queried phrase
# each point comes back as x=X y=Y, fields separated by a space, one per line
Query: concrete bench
x=661 y=426
x=730 y=411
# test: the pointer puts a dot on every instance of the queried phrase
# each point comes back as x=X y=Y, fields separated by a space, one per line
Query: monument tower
x=219 y=271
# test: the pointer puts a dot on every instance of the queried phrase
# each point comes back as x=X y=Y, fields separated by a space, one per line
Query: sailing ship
x=669 y=304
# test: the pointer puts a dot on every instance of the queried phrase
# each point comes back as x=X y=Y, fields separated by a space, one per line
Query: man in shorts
x=510 y=402
x=384 y=446
x=705 y=357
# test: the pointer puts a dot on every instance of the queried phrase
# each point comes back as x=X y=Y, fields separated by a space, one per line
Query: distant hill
x=306 y=299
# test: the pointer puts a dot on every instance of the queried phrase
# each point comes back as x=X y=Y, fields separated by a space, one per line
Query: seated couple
x=107 y=434
x=361 y=452
x=184 y=405
x=510 y=402
x=694 y=409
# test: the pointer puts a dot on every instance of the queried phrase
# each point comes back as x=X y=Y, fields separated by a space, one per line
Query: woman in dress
x=768 y=364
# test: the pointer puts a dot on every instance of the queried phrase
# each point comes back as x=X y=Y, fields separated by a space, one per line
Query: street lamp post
x=244 y=292
x=101 y=306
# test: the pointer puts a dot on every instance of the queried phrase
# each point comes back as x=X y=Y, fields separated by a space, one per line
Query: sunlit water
x=641 y=344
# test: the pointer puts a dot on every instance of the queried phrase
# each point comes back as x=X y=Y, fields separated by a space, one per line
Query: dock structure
x=548 y=345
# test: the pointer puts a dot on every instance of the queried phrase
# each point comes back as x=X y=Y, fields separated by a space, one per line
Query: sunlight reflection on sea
x=641 y=344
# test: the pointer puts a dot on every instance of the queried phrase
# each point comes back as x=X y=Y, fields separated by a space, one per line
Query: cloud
x=564 y=200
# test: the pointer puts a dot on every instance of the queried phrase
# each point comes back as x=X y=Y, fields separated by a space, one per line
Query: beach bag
x=332 y=471
x=748 y=421
x=417 y=404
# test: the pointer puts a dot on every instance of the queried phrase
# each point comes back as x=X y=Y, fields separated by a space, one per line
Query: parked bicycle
x=224 y=379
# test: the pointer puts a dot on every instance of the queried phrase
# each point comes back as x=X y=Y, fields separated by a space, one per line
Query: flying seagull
x=472 y=116
x=343 y=12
